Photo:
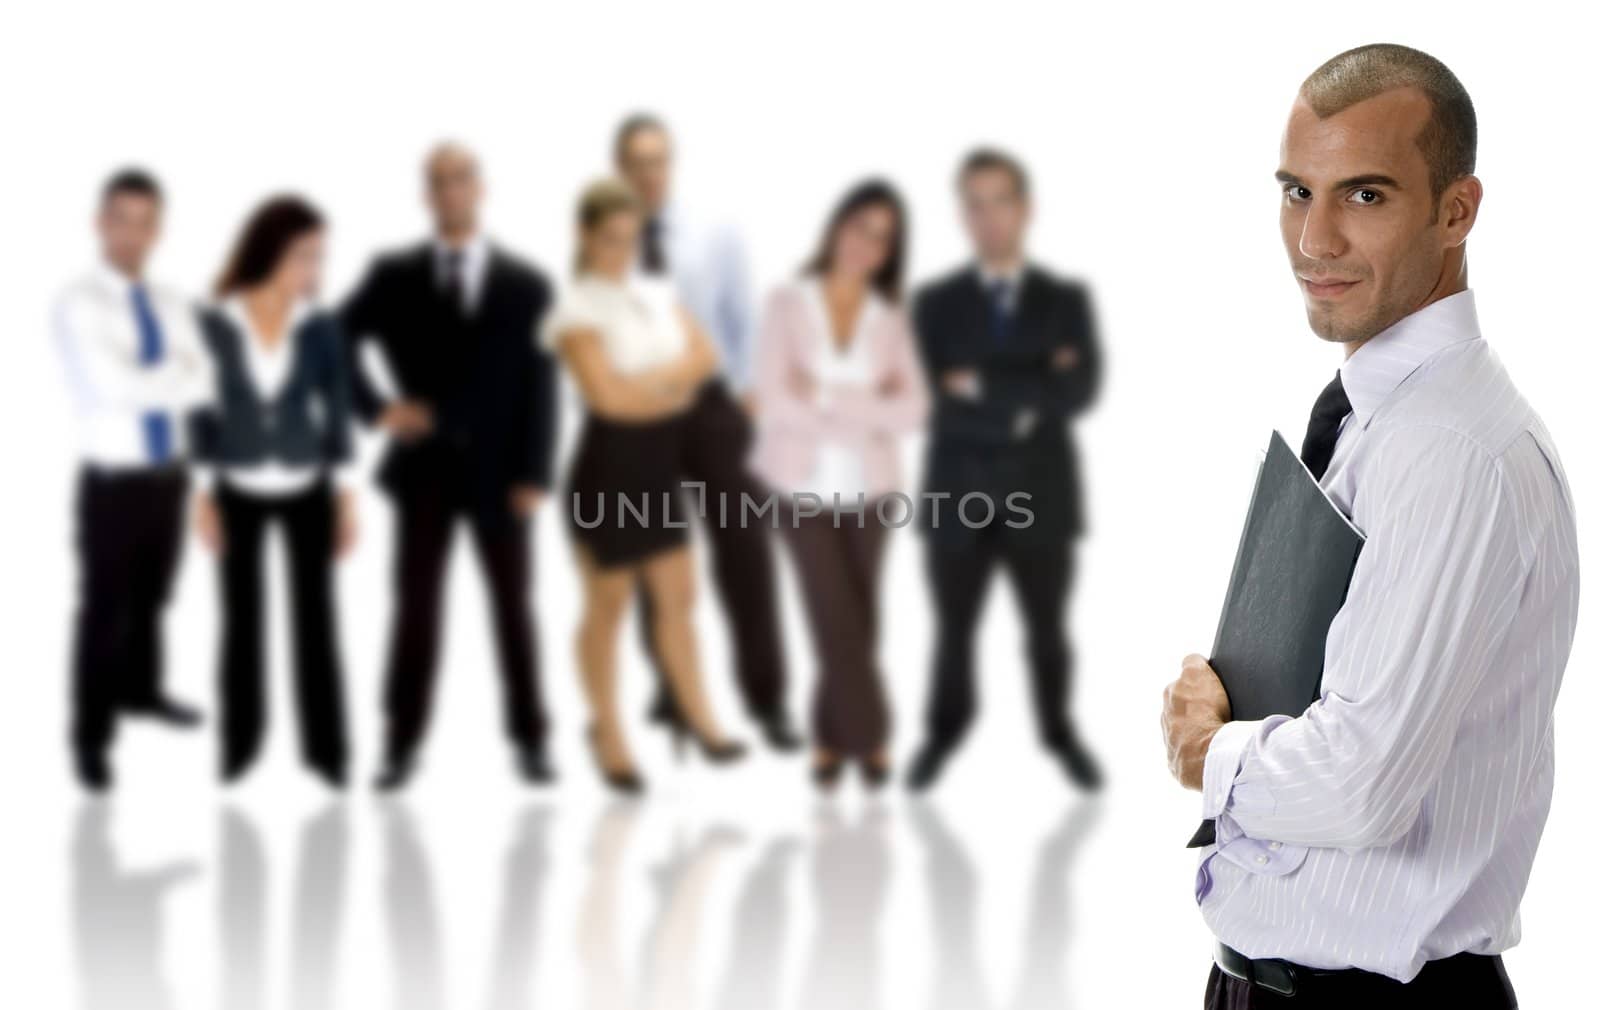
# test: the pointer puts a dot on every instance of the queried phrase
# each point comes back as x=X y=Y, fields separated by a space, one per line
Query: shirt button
x=1274 y=846
x=1261 y=860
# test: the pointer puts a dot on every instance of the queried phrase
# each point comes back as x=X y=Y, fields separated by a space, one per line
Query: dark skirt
x=624 y=492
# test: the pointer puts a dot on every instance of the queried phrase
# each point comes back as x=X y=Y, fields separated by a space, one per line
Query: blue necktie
x=1000 y=310
x=157 y=426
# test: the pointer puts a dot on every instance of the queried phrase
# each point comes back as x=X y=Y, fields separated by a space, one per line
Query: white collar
x=669 y=215
x=115 y=280
x=1381 y=364
x=233 y=307
x=870 y=307
x=474 y=250
x=1013 y=276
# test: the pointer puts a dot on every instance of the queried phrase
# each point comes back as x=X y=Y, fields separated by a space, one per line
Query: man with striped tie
x=136 y=366
x=1373 y=850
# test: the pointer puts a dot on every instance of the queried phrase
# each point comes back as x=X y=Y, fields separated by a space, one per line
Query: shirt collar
x=989 y=276
x=474 y=252
x=1380 y=365
x=668 y=216
x=116 y=280
x=870 y=307
x=233 y=307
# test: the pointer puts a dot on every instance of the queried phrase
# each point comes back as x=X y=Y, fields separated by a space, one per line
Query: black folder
x=1290 y=577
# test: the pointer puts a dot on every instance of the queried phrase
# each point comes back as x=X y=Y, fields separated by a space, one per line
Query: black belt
x=1457 y=974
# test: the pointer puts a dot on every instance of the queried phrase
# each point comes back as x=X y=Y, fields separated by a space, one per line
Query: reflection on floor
x=843 y=867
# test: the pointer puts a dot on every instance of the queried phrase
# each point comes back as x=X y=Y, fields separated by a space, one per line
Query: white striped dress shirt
x=1395 y=821
x=98 y=335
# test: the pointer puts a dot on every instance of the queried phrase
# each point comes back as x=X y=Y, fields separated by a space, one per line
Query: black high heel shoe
x=628 y=782
x=726 y=752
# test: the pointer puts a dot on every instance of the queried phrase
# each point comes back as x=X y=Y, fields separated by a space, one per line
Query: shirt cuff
x=1223 y=758
x=342 y=476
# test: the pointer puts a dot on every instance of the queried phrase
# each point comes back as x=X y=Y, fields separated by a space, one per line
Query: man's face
x=996 y=214
x=129 y=225
x=1358 y=216
x=455 y=190
x=645 y=163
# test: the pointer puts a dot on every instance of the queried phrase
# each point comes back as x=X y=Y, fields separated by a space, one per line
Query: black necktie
x=455 y=287
x=1323 y=429
x=1000 y=310
x=653 y=255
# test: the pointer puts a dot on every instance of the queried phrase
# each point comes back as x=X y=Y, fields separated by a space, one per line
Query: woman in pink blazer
x=837 y=384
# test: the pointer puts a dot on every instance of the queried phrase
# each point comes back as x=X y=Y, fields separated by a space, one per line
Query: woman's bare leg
x=607 y=592
x=669 y=578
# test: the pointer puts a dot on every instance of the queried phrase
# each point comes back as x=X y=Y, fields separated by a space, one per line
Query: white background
x=1152 y=133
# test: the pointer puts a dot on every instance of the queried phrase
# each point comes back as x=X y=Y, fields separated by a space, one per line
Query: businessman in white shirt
x=706 y=265
x=1373 y=850
x=136 y=367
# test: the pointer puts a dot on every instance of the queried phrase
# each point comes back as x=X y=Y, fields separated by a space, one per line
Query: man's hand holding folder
x=1193 y=708
x=1290 y=576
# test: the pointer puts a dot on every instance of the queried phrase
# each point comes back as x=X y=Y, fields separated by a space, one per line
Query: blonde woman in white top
x=638 y=359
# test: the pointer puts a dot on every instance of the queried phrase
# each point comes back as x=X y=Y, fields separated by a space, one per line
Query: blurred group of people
x=789 y=421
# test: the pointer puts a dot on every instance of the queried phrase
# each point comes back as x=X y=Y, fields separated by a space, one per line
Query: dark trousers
x=1465 y=980
x=960 y=567
x=428 y=514
x=307 y=522
x=839 y=571
x=716 y=443
x=129 y=539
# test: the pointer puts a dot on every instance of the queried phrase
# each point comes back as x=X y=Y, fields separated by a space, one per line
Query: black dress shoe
x=534 y=766
x=395 y=775
x=176 y=714
x=780 y=733
x=874 y=775
x=663 y=711
x=925 y=768
x=1079 y=765
x=94 y=772
x=827 y=772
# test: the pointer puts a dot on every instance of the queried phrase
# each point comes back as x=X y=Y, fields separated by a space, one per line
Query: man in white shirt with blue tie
x=136 y=368
x=1373 y=850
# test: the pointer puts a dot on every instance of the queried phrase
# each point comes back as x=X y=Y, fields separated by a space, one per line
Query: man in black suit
x=472 y=428
x=1013 y=354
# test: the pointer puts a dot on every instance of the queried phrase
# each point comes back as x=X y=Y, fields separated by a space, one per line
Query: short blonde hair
x=599 y=201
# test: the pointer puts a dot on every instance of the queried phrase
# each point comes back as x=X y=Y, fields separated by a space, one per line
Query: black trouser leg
x=742 y=570
x=318 y=676
x=502 y=549
x=243 y=690
x=422 y=552
x=716 y=445
x=960 y=570
x=1041 y=574
x=157 y=548
x=105 y=559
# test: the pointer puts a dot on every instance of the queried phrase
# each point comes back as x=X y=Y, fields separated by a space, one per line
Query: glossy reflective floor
x=627 y=906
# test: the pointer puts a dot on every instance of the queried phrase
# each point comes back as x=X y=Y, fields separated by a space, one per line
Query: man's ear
x=1458 y=208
